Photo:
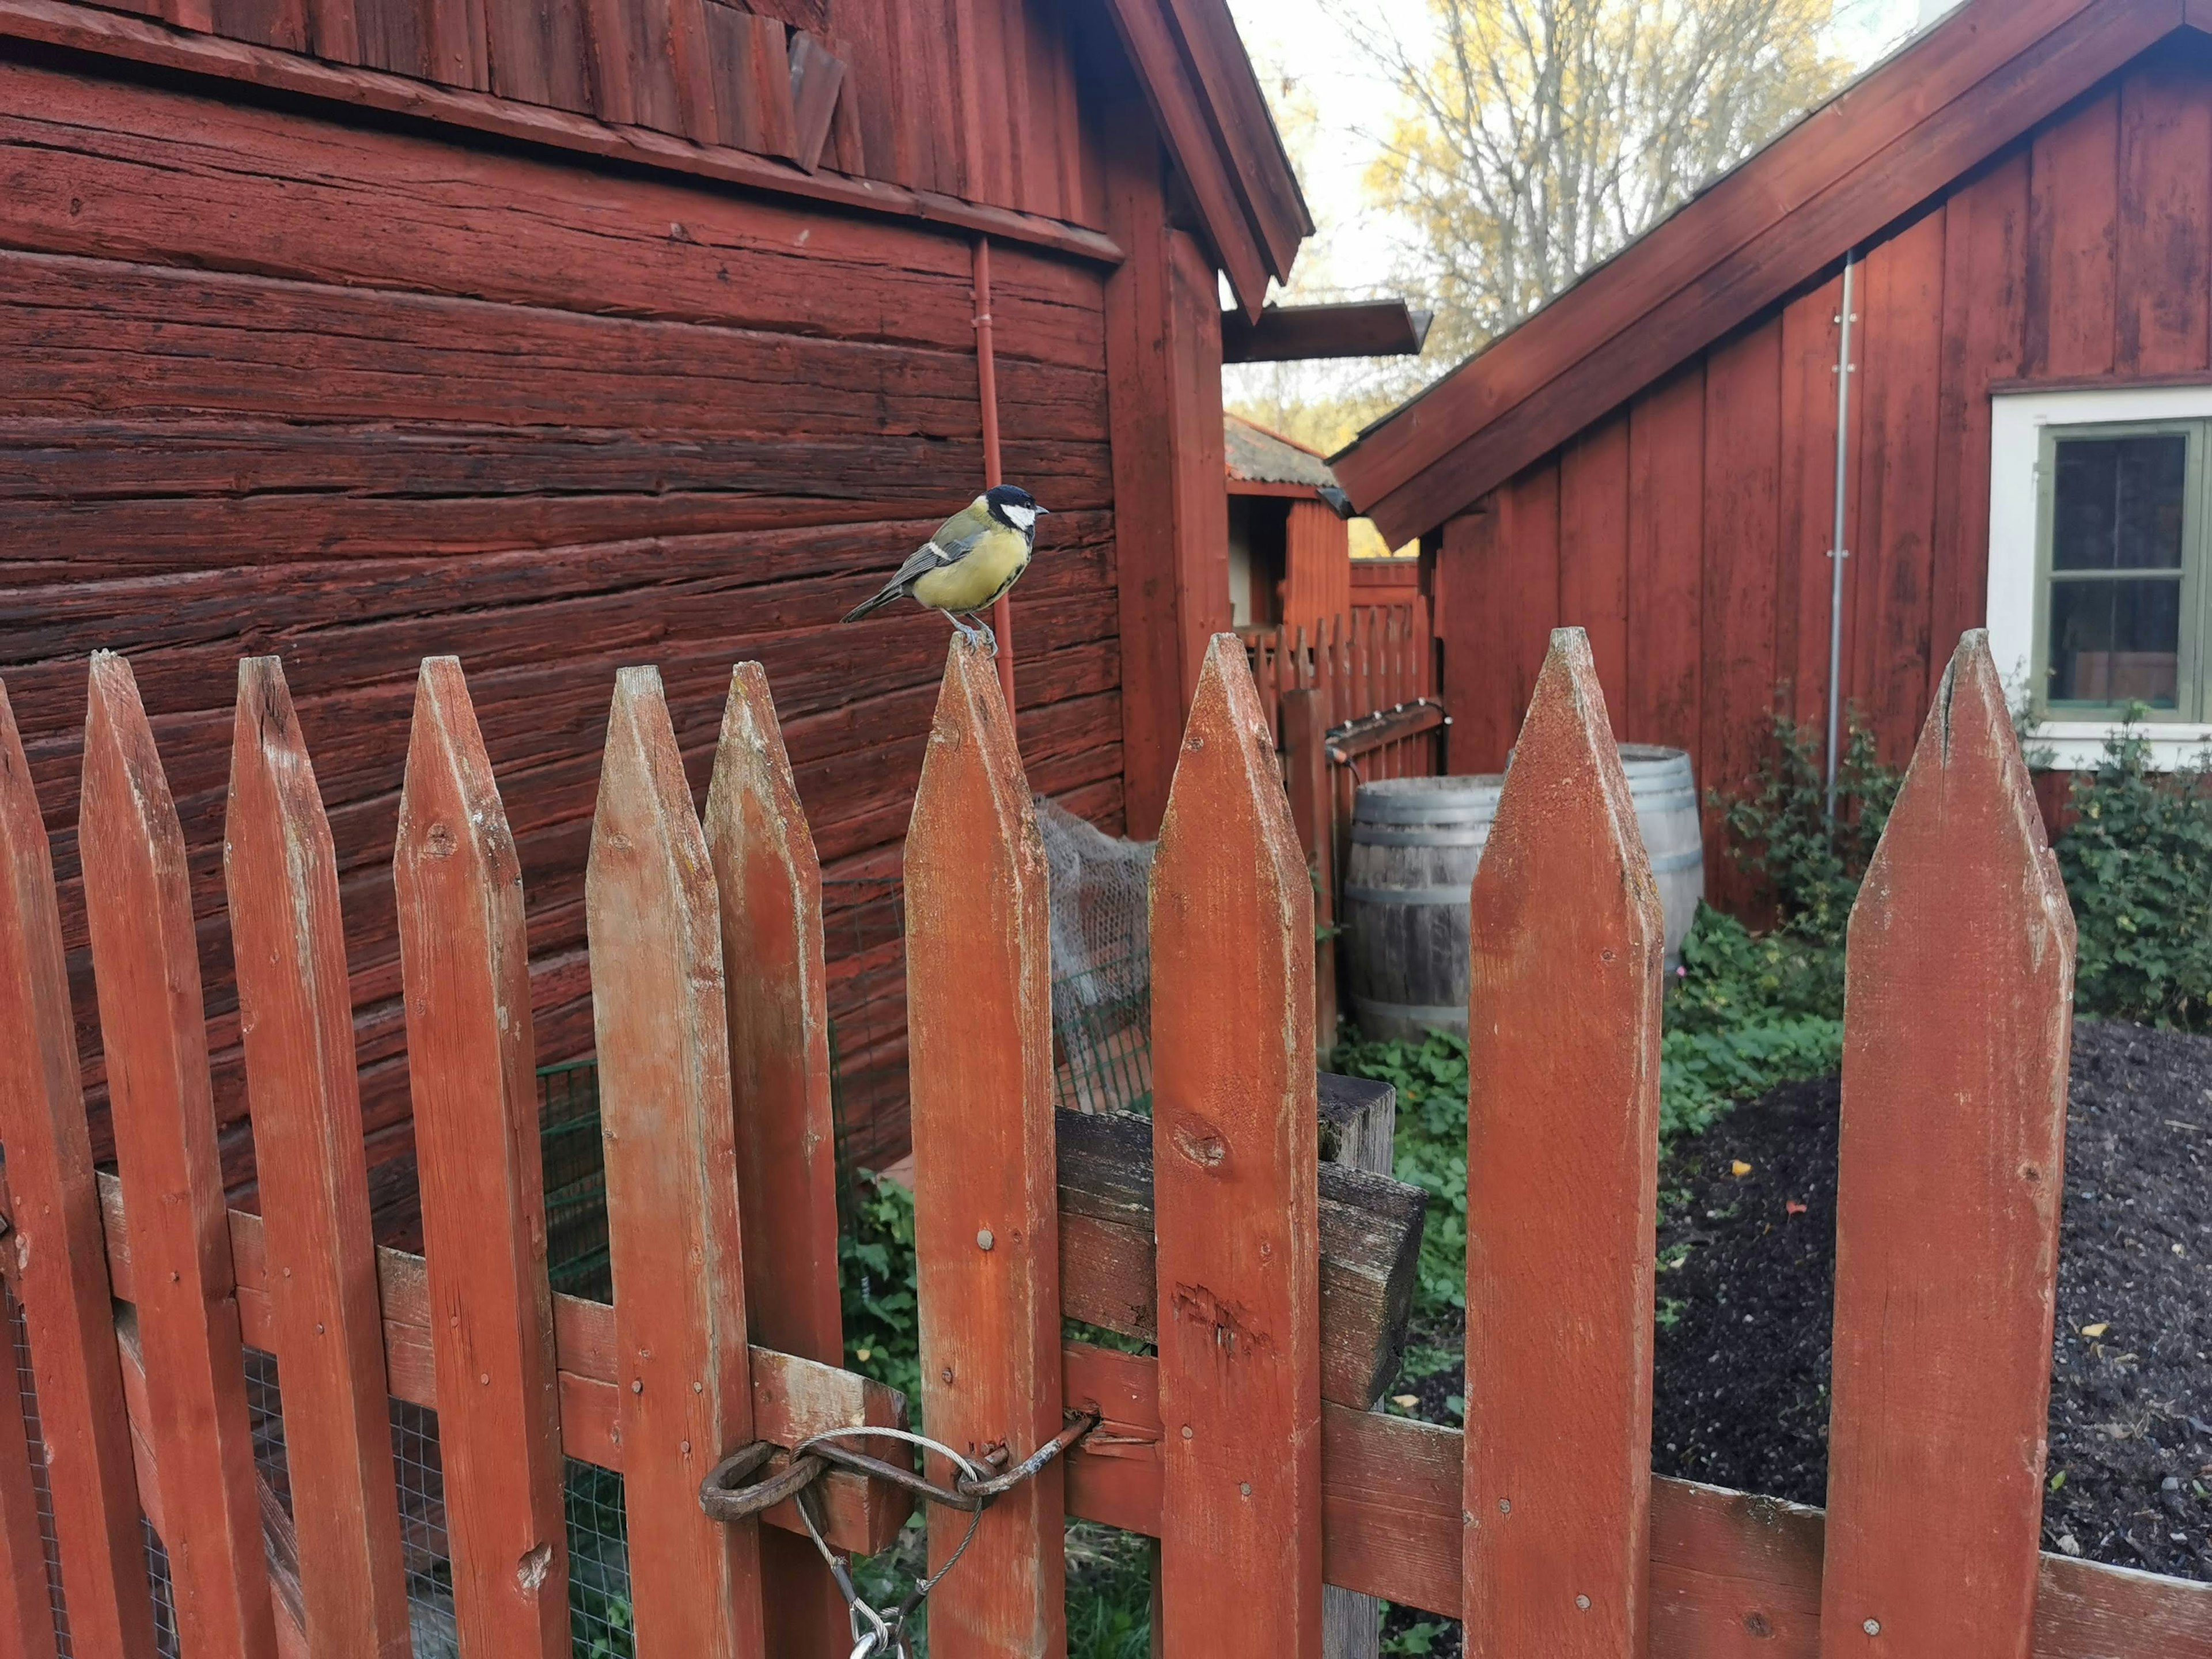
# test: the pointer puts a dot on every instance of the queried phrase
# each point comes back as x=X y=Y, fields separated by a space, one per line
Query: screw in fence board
x=1562 y=1192
x=660 y=1014
x=56 y=1240
x=984 y=1187
x=770 y=882
x=1234 y=1153
x=153 y=1029
x=296 y=1006
x=1957 y=1029
x=465 y=970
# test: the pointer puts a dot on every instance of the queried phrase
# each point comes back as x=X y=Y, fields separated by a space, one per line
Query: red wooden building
x=563 y=335
x=2024 y=199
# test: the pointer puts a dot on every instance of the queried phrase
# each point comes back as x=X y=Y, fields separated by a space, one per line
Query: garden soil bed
x=1741 y=1378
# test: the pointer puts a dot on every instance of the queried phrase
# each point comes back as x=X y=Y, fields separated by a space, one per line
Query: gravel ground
x=1747 y=1266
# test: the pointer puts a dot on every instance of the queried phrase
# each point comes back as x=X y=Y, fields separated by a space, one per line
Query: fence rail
x=1541 y=1527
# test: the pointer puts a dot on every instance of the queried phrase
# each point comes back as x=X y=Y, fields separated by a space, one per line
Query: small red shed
x=566 y=335
x=2022 y=203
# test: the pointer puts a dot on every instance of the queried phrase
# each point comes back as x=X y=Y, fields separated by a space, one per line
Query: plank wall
x=354 y=395
x=1689 y=531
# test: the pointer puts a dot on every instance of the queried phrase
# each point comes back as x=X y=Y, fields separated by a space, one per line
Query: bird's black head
x=1011 y=504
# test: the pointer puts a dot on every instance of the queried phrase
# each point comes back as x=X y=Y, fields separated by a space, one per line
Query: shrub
x=2137 y=864
x=1810 y=865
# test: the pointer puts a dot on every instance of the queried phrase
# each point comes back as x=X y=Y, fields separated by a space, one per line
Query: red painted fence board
x=985 y=1187
x=1234 y=1150
x=1957 y=1025
x=153 y=1031
x=60 y=1269
x=289 y=942
x=769 y=883
x=464 y=957
x=671 y=1180
x=1562 y=1159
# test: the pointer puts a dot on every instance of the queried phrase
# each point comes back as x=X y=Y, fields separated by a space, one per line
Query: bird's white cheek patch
x=1023 y=518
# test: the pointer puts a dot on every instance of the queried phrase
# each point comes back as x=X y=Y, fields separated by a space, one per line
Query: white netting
x=1102 y=977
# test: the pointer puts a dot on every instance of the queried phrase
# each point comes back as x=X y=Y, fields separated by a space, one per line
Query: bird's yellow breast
x=991 y=567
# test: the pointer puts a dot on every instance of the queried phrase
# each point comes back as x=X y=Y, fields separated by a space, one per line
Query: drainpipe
x=1836 y=551
x=1002 y=613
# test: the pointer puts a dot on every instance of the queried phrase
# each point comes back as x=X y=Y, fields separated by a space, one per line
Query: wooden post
x=769 y=883
x=1957 y=1032
x=1364 y=1117
x=58 y=1253
x=1562 y=1161
x=1233 y=1149
x=296 y=1015
x=660 y=1012
x=1305 y=749
x=152 y=1028
x=465 y=965
x=979 y=1002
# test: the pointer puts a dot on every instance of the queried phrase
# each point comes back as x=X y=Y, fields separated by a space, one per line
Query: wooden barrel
x=1415 y=844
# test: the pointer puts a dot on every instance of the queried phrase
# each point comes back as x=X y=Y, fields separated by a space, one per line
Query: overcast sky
x=1298 y=38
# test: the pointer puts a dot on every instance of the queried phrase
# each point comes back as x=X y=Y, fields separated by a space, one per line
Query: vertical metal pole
x=1002 y=610
x=1836 y=551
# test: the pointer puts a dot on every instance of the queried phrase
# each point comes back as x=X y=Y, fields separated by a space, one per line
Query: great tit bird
x=975 y=555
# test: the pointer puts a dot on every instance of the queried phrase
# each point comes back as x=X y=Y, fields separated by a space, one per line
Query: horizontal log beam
x=1731 y=1573
x=1371 y=1242
x=1289 y=334
x=1371 y=732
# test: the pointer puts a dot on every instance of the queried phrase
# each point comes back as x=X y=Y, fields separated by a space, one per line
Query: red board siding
x=2085 y=250
x=353 y=396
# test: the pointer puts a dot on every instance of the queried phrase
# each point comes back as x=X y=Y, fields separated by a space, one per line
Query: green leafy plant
x=1430 y=1078
x=1809 y=864
x=875 y=1278
x=2138 y=863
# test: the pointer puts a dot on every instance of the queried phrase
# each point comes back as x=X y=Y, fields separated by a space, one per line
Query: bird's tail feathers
x=867 y=606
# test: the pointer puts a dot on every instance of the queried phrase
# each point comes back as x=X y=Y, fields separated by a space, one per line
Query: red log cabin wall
x=287 y=378
x=1689 y=531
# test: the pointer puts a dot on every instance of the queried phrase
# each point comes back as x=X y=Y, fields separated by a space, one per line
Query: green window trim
x=2192 y=701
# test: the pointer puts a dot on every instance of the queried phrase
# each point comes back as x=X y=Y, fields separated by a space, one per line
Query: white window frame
x=2017 y=422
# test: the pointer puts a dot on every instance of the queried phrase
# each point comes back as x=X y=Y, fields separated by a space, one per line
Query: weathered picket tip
x=1950 y=1166
x=464 y=968
x=295 y=1005
x=979 y=1012
x=59 y=1266
x=1563 y=1132
x=659 y=1013
x=138 y=908
x=1233 y=1158
x=770 y=882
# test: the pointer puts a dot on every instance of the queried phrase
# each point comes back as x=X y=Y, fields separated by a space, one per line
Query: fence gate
x=156 y=1501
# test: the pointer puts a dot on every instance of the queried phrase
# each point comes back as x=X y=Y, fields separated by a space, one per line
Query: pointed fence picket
x=1261 y=1476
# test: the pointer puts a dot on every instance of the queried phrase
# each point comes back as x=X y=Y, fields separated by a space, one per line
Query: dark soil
x=1746 y=1279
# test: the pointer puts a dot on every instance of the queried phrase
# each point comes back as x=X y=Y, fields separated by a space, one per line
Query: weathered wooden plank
x=1733 y=1576
x=1985 y=326
x=1666 y=541
x=2162 y=256
x=539 y=51
x=1593 y=550
x=153 y=1032
x=1369 y=1227
x=769 y=885
x=1562 y=1191
x=1742 y=501
x=58 y=1269
x=469 y=1060
x=1958 y=1021
x=83 y=29
x=2073 y=203
x=280 y=870
x=1234 y=1156
x=986 y=1223
x=818 y=77
x=751 y=65
x=660 y=1015
x=1887 y=645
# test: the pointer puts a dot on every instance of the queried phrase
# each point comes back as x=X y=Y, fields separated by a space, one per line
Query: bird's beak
x=1044 y=512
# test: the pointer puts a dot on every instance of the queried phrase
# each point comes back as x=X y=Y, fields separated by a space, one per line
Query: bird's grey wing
x=924 y=559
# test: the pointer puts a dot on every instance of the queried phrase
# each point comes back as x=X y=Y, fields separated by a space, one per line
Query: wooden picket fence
x=1372 y=660
x=1542 y=1525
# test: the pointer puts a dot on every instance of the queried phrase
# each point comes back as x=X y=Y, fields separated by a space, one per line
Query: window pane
x=2116 y=503
x=2116 y=641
